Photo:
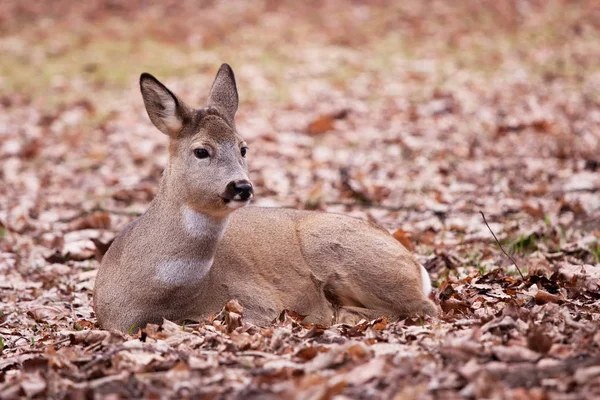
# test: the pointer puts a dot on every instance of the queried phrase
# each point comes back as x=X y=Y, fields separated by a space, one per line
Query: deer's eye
x=243 y=151
x=201 y=153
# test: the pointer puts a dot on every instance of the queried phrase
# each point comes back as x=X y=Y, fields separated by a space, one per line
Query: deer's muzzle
x=239 y=190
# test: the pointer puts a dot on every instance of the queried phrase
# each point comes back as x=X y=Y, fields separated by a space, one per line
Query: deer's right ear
x=165 y=110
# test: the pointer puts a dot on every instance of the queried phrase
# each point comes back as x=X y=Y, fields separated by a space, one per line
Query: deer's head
x=207 y=168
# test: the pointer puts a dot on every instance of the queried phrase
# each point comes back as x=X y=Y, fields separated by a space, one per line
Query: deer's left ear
x=223 y=94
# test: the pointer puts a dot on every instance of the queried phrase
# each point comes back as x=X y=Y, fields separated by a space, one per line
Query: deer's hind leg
x=365 y=270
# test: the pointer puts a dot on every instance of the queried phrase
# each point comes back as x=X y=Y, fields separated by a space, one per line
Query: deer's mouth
x=236 y=202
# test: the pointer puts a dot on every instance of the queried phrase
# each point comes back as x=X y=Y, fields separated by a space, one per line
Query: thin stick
x=502 y=248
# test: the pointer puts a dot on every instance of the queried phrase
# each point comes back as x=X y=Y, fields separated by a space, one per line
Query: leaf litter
x=416 y=118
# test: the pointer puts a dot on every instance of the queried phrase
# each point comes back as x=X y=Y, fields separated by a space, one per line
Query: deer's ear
x=165 y=110
x=223 y=94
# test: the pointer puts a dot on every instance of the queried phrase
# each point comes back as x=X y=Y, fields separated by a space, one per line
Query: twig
x=501 y=248
x=61 y=341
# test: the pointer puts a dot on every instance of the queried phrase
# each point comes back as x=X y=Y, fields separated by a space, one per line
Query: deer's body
x=191 y=252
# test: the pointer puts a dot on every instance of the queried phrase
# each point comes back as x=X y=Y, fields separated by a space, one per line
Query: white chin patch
x=234 y=204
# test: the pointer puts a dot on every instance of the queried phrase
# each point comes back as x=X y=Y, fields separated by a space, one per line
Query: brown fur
x=329 y=267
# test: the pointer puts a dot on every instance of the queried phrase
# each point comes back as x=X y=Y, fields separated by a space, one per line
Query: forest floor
x=417 y=116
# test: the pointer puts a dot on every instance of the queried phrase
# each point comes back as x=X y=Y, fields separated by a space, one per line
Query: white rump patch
x=426 y=281
x=183 y=272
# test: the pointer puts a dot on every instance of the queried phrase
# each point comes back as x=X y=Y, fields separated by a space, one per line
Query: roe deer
x=196 y=247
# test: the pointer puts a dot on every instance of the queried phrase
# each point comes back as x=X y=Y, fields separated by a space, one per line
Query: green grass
x=514 y=273
x=131 y=329
x=100 y=62
x=595 y=249
x=103 y=67
x=103 y=60
x=547 y=221
x=481 y=269
x=524 y=245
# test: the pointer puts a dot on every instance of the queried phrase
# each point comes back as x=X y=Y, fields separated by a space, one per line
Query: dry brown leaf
x=101 y=248
x=453 y=304
x=538 y=340
x=404 y=238
x=515 y=354
x=234 y=306
x=325 y=123
x=230 y=316
x=240 y=340
x=96 y=220
x=543 y=297
x=46 y=314
x=416 y=153
x=359 y=351
x=307 y=353
x=33 y=385
x=380 y=323
x=364 y=373
x=534 y=211
x=322 y=124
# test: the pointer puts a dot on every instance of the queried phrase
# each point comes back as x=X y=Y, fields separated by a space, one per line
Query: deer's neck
x=193 y=239
x=193 y=227
x=203 y=228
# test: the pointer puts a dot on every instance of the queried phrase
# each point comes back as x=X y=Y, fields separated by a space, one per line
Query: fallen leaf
x=96 y=220
x=543 y=297
x=539 y=341
x=325 y=123
x=403 y=237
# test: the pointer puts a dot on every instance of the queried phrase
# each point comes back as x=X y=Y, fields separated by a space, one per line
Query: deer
x=199 y=244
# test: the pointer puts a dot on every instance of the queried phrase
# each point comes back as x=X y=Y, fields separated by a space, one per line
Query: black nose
x=239 y=190
x=243 y=189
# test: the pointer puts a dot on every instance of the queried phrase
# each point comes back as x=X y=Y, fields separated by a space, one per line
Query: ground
x=417 y=116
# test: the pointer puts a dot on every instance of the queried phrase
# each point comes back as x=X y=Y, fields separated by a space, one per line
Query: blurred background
x=413 y=114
